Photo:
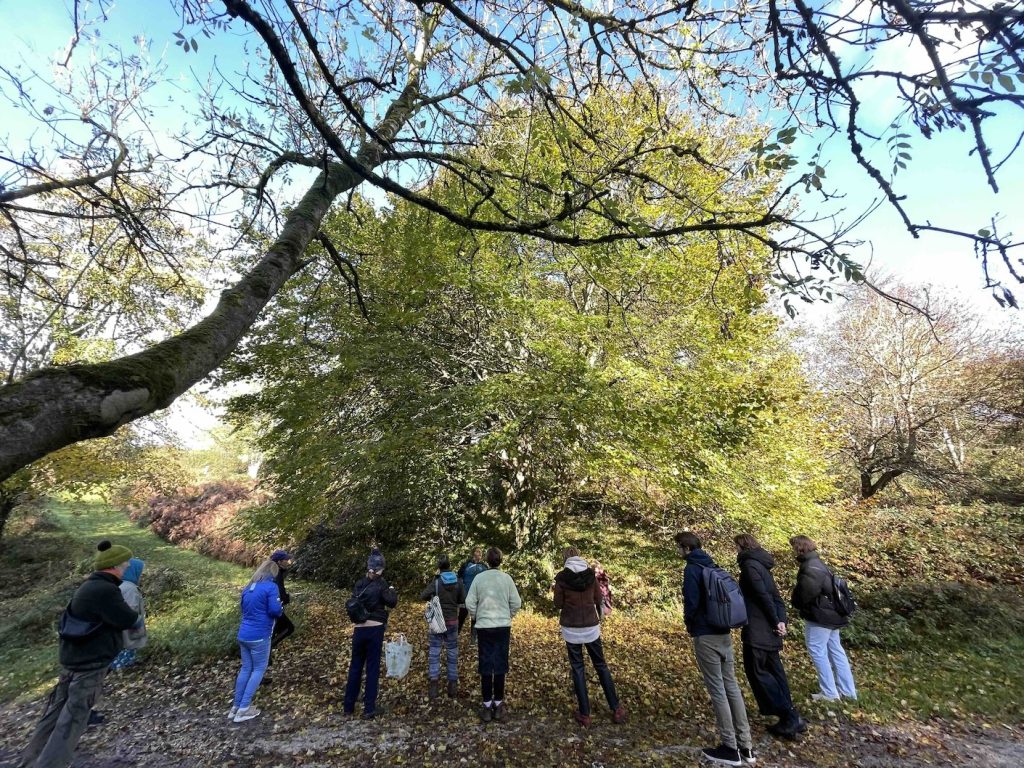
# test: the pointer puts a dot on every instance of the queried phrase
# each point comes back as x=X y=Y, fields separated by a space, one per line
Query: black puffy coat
x=765 y=607
x=98 y=600
x=812 y=595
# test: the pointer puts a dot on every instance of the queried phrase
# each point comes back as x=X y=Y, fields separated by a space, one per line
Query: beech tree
x=914 y=393
x=388 y=94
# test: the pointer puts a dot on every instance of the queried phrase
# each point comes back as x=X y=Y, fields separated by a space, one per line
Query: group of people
x=103 y=626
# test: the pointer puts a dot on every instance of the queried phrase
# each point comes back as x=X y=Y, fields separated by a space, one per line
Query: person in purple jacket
x=261 y=607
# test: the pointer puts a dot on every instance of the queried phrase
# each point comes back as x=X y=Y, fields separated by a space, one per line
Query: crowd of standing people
x=103 y=627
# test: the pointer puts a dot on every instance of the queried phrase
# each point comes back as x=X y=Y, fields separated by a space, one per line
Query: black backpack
x=842 y=597
x=723 y=600
x=356 y=609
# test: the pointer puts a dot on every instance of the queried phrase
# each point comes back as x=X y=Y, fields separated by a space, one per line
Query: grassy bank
x=45 y=555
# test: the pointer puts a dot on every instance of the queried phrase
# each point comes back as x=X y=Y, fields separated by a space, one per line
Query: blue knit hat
x=375 y=562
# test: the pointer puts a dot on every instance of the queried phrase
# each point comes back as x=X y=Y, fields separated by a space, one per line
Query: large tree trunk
x=55 y=407
x=869 y=488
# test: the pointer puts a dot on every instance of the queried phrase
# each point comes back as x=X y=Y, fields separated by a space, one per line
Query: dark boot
x=453 y=689
x=499 y=712
x=486 y=713
x=432 y=690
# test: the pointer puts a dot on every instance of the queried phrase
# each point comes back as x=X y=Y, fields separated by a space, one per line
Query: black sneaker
x=96 y=718
x=747 y=756
x=722 y=755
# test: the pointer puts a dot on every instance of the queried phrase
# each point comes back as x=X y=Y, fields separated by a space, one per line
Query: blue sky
x=943 y=184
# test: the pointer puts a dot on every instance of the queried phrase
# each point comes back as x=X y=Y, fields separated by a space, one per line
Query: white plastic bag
x=398 y=657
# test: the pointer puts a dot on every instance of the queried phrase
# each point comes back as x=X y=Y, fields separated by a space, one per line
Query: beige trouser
x=715 y=662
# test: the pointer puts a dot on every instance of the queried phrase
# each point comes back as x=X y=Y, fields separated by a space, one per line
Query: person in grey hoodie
x=578 y=597
x=136 y=637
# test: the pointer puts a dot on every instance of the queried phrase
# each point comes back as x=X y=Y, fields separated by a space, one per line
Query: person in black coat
x=378 y=598
x=814 y=598
x=283 y=627
x=762 y=637
x=91 y=636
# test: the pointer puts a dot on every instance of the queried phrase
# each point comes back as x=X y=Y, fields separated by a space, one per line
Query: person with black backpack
x=712 y=605
x=447 y=588
x=762 y=637
x=825 y=604
x=372 y=598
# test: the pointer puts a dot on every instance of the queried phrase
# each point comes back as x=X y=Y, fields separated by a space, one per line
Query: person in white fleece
x=578 y=596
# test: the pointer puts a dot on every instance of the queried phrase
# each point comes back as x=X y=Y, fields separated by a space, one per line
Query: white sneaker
x=246 y=713
x=823 y=697
x=232 y=713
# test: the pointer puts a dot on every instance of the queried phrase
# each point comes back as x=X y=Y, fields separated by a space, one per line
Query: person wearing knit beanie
x=110 y=556
x=375 y=562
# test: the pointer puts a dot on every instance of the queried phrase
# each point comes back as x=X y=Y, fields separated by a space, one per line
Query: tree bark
x=869 y=488
x=58 y=406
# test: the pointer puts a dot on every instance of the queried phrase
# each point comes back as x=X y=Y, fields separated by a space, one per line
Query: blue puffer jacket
x=261 y=605
x=694 y=602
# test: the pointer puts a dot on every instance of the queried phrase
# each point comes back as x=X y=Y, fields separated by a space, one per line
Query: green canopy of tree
x=427 y=384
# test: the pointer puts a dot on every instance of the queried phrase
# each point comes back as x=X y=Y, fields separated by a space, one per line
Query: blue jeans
x=449 y=639
x=255 y=655
x=367 y=644
x=830 y=660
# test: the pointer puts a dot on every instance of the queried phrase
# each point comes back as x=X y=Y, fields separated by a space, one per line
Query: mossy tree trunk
x=58 y=406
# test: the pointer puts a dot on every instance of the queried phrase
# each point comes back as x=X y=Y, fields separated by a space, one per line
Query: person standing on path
x=448 y=589
x=377 y=597
x=136 y=637
x=469 y=571
x=762 y=637
x=813 y=599
x=493 y=601
x=283 y=626
x=579 y=600
x=261 y=607
x=712 y=647
x=91 y=637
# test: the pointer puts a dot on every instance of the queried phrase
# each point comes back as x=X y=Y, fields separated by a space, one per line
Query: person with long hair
x=579 y=600
x=813 y=598
x=377 y=598
x=493 y=601
x=763 y=635
x=261 y=606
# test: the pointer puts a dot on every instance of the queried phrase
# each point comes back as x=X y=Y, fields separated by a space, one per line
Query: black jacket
x=282 y=592
x=450 y=595
x=377 y=596
x=765 y=607
x=98 y=600
x=812 y=595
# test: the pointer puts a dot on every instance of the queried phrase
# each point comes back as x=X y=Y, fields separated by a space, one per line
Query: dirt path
x=177 y=724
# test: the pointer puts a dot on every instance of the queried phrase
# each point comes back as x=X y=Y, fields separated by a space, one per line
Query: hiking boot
x=499 y=712
x=486 y=714
x=96 y=718
x=782 y=730
x=368 y=715
x=246 y=713
x=747 y=756
x=453 y=689
x=619 y=715
x=722 y=755
x=582 y=719
x=432 y=690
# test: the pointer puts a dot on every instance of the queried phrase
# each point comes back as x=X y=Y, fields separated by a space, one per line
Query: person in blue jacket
x=261 y=607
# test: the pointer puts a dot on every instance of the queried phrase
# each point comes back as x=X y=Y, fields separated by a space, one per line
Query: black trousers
x=283 y=628
x=768 y=682
x=579 y=674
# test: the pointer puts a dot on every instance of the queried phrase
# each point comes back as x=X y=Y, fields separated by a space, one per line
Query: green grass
x=191 y=599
